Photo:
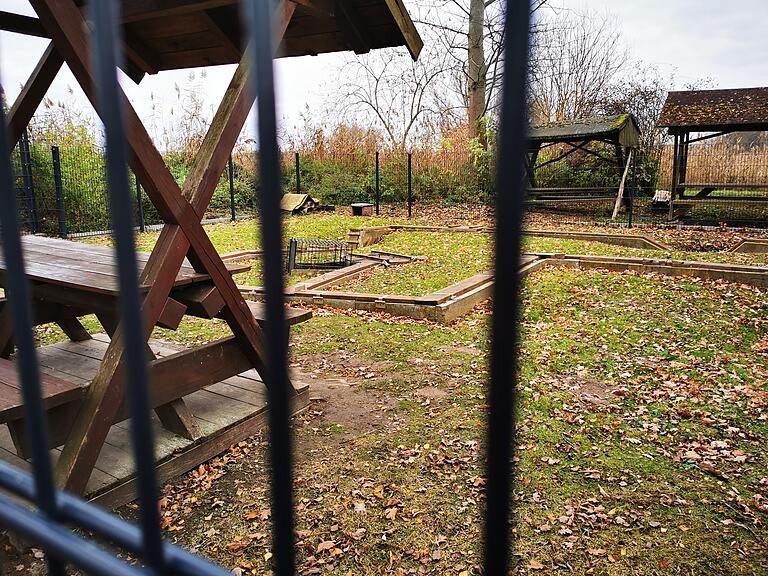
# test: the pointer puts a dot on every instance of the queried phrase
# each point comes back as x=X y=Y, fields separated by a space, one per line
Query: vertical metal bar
x=29 y=186
x=231 y=174
x=510 y=202
x=140 y=205
x=26 y=362
x=410 y=184
x=59 y=188
x=378 y=184
x=260 y=17
x=106 y=38
x=298 y=174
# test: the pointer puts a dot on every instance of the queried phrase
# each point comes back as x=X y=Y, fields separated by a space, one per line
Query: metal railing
x=54 y=517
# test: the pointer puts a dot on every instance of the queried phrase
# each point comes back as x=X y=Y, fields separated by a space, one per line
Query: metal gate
x=59 y=522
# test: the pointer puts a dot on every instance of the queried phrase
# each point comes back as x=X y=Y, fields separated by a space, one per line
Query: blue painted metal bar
x=259 y=15
x=97 y=520
x=510 y=202
x=105 y=40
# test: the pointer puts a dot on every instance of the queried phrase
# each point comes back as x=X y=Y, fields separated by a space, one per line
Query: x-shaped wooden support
x=181 y=208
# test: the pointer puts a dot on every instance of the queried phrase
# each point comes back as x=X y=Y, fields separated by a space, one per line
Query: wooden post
x=620 y=195
x=673 y=185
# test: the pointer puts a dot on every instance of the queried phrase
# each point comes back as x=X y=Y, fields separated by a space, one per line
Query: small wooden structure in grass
x=209 y=397
x=618 y=132
x=693 y=116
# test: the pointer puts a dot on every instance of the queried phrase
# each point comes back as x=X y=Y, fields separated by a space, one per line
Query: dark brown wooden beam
x=226 y=30
x=204 y=301
x=27 y=25
x=137 y=10
x=33 y=92
x=352 y=25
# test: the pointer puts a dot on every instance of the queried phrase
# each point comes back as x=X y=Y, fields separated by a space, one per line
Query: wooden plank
x=55 y=392
x=292 y=315
x=178 y=418
x=412 y=38
x=226 y=31
x=137 y=10
x=188 y=458
x=172 y=314
x=202 y=300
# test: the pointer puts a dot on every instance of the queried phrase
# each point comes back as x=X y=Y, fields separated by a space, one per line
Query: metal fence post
x=231 y=172
x=378 y=184
x=29 y=188
x=140 y=205
x=59 y=188
x=298 y=174
x=410 y=184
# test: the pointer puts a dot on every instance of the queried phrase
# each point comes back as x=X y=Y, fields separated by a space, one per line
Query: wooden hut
x=693 y=116
x=621 y=133
x=207 y=397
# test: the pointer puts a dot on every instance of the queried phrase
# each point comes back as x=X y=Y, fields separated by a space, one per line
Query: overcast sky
x=722 y=40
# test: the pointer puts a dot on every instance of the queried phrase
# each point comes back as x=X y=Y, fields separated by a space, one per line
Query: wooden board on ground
x=226 y=412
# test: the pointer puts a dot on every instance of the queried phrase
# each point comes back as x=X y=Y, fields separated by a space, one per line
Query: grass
x=643 y=418
x=643 y=408
x=451 y=257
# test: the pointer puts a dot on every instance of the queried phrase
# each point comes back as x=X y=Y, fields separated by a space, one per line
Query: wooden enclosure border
x=455 y=300
x=362 y=237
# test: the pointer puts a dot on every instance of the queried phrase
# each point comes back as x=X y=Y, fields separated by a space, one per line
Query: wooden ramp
x=226 y=413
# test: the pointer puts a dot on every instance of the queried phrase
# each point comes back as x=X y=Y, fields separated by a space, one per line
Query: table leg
x=176 y=415
x=6 y=330
x=74 y=330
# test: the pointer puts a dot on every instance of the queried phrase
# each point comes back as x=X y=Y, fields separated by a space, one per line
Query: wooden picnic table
x=165 y=35
x=70 y=280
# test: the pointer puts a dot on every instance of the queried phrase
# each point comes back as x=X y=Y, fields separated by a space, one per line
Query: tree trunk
x=476 y=71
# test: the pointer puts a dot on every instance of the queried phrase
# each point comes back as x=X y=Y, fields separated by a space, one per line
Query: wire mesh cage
x=309 y=254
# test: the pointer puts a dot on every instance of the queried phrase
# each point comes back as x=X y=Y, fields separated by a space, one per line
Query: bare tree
x=472 y=34
x=404 y=99
x=579 y=57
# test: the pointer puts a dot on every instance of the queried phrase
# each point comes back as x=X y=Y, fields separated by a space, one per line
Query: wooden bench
x=62 y=398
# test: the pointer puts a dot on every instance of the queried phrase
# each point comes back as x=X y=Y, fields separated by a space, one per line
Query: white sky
x=722 y=40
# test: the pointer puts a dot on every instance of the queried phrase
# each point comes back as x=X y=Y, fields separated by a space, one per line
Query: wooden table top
x=87 y=267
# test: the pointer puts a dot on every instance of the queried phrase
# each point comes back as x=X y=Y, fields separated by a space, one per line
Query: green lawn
x=644 y=413
x=451 y=257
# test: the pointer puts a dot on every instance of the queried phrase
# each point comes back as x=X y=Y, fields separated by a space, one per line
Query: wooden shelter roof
x=173 y=34
x=715 y=110
x=622 y=129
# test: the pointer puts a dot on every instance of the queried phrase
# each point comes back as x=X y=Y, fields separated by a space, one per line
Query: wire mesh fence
x=61 y=187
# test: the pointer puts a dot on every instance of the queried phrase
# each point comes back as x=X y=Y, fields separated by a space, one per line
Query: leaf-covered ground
x=644 y=417
x=644 y=413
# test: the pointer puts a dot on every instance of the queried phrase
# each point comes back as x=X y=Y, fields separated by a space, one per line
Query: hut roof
x=172 y=34
x=715 y=110
x=622 y=129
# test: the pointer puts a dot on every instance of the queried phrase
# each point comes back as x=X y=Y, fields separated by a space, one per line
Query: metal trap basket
x=305 y=254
